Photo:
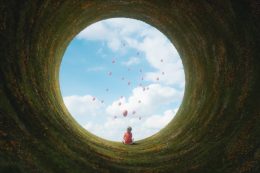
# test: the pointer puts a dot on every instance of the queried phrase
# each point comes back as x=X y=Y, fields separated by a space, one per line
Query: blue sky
x=118 y=65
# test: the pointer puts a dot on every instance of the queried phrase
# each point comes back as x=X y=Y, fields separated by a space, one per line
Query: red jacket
x=128 y=138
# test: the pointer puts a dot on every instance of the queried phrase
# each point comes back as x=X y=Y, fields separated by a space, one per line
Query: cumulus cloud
x=158 y=121
x=83 y=105
x=112 y=31
x=161 y=55
x=131 y=61
x=122 y=33
x=114 y=129
x=144 y=100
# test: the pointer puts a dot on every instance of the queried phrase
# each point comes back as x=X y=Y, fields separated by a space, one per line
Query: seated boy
x=128 y=136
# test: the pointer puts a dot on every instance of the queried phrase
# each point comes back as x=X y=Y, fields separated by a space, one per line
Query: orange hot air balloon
x=125 y=113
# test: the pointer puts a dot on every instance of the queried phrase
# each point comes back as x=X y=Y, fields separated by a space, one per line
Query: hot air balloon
x=110 y=73
x=93 y=99
x=157 y=78
x=119 y=104
x=128 y=83
x=163 y=73
x=125 y=112
x=133 y=112
x=161 y=60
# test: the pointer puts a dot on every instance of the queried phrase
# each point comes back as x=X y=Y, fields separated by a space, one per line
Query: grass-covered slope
x=217 y=128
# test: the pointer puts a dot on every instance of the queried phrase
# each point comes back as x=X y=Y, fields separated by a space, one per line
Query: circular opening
x=122 y=72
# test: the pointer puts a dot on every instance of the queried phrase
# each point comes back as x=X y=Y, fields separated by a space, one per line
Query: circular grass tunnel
x=215 y=130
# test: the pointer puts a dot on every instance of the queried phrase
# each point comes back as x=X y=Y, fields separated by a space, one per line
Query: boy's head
x=129 y=129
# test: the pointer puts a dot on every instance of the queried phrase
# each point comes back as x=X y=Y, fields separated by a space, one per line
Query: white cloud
x=145 y=102
x=98 y=31
x=114 y=129
x=131 y=61
x=83 y=105
x=158 y=121
x=112 y=31
x=143 y=38
x=161 y=54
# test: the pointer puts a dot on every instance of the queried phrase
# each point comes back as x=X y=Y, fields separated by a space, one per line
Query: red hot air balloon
x=125 y=112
